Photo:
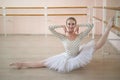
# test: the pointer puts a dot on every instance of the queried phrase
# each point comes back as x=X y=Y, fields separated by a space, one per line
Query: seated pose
x=75 y=55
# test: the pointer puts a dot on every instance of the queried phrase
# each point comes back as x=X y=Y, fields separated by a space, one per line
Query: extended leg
x=103 y=39
x=20 y=65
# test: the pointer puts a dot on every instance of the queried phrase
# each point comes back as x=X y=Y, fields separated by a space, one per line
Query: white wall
x=36 y=25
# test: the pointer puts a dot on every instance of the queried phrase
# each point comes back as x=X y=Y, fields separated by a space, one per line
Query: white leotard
x=71 y=46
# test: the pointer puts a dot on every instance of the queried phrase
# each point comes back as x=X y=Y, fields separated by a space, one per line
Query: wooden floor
x=105 y=64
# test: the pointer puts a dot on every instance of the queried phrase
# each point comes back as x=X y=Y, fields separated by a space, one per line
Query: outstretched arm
x=57 y=34
x=85 y=33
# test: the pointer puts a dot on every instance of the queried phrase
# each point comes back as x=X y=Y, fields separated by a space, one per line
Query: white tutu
x=65 y=63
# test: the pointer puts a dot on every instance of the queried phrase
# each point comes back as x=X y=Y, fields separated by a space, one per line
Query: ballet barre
x=113 y=8
x=43 y=14
x=24 y=8
x=24 y=14
x=57 y=7
x=5 y=12
x=110 y=8
x=68 y=7
x=100 y=19
x=115 y=29
x=67 y=14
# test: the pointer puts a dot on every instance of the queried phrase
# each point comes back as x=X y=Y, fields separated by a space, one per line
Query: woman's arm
x=57 y=34
x=85 y=33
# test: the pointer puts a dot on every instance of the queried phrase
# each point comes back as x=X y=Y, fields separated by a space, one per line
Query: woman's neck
x=70 y=34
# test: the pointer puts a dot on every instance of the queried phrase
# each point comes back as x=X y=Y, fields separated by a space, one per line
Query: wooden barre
x=100 y=19
x=24 y=14
x=67 y=7
x=114 y=27
x=116 y=30
x=97 y=18
x=57 y=7
x=43 y=14
x=24 y=7
x=97 y=7
x=111 y=8
x=67 y=14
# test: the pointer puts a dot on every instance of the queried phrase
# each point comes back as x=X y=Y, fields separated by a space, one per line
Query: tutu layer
x=66 y=63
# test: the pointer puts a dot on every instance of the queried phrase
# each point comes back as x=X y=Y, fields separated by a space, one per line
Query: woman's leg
x=103 y=39
x=20 y=65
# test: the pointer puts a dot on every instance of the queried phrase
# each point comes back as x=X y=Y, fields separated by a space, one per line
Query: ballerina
x=75 y=55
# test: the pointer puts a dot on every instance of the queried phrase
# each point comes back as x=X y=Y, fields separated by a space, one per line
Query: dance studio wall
x=36 y=25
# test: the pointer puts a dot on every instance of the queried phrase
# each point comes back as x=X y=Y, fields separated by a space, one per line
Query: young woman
x=75 y=55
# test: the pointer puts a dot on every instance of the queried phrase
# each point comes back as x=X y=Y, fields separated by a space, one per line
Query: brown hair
x=71 y=18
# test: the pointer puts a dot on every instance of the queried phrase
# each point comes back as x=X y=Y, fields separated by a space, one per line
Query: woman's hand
x=76 y=29
x=64 y=28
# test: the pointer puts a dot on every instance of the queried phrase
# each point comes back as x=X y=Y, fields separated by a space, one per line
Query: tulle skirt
x=65 y=63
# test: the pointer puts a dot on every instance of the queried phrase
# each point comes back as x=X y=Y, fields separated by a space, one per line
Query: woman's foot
x=110 y=23
x=17 y=65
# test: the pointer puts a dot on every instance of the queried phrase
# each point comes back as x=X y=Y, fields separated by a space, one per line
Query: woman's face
x=71 y=24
